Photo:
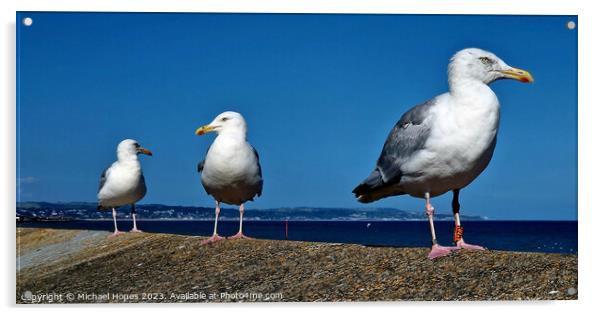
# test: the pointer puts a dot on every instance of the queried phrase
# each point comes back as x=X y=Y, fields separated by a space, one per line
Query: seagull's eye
x=486 y=60
x=224 y=119
x=137 y=145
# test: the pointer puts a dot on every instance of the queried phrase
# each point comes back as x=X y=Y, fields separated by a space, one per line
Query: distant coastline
x=46 y=211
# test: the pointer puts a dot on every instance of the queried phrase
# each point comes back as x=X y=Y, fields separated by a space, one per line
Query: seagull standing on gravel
x=123 y=182
x=444 y=143
x=230 y=171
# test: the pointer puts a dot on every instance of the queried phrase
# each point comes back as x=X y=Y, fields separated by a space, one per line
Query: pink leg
x=436 y=250
x=459 y=230
x=461 y=244
x=212 y=239
x=116 y=232
x=215 y=237
x=135 y=228
x=240 y=235
x=440 y=251
x=459 y=240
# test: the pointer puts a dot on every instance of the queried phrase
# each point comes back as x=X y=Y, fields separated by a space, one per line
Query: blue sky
x=319 y=93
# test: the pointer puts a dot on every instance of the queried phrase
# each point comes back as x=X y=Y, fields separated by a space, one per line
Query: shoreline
x=530 y=237
x=227 y=219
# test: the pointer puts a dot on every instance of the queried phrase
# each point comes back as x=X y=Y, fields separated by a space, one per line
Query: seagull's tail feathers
x=374 y=188
x=363 y=192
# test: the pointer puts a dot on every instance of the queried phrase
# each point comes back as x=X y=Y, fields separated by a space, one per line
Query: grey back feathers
x=103 y=179
x=101 y=184
x=260 y=185
x=407 y=137
x=200 y=166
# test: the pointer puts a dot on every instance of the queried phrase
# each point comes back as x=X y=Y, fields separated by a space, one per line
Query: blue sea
x=530 y=236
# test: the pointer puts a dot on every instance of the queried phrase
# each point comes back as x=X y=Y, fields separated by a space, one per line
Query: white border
x=590 y=131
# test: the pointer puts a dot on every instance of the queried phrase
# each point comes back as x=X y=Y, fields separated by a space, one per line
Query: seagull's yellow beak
x=517 y=74
x=145 y=151
x=204 y=130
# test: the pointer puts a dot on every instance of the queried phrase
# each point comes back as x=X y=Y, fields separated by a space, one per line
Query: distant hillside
x=86 y=210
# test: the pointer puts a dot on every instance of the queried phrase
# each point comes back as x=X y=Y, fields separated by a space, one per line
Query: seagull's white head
x=129 y=149
x=480 y=65
x=227 y=122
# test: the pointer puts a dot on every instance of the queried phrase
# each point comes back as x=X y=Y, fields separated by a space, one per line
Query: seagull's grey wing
x=407 y=137
x=200 y=166
x=101 y=184
x=260 y=185
x=103 y=179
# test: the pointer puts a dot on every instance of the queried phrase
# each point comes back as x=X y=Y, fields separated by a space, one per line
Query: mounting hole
x=27 y=21
x=571 y=25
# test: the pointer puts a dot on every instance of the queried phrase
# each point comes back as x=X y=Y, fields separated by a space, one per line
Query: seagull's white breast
x=231 y=170
x=124 y=184
x=460 y=145
x=229 y=160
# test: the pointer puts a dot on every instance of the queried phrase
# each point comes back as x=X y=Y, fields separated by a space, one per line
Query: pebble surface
x=141 y=267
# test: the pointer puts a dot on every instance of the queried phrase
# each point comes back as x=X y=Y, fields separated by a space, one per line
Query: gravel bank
x=87 y=267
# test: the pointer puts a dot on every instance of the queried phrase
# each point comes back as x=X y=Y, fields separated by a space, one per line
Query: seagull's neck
x=461 y=87
x=234 y=133
x=472 y=93
x=474 y=103
x=127 y=158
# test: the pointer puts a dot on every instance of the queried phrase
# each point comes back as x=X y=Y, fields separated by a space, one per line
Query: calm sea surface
x=534 y=236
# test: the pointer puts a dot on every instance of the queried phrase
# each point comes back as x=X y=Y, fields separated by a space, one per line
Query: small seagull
x=123 y=182
x=230 y=171
x=445 y=143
